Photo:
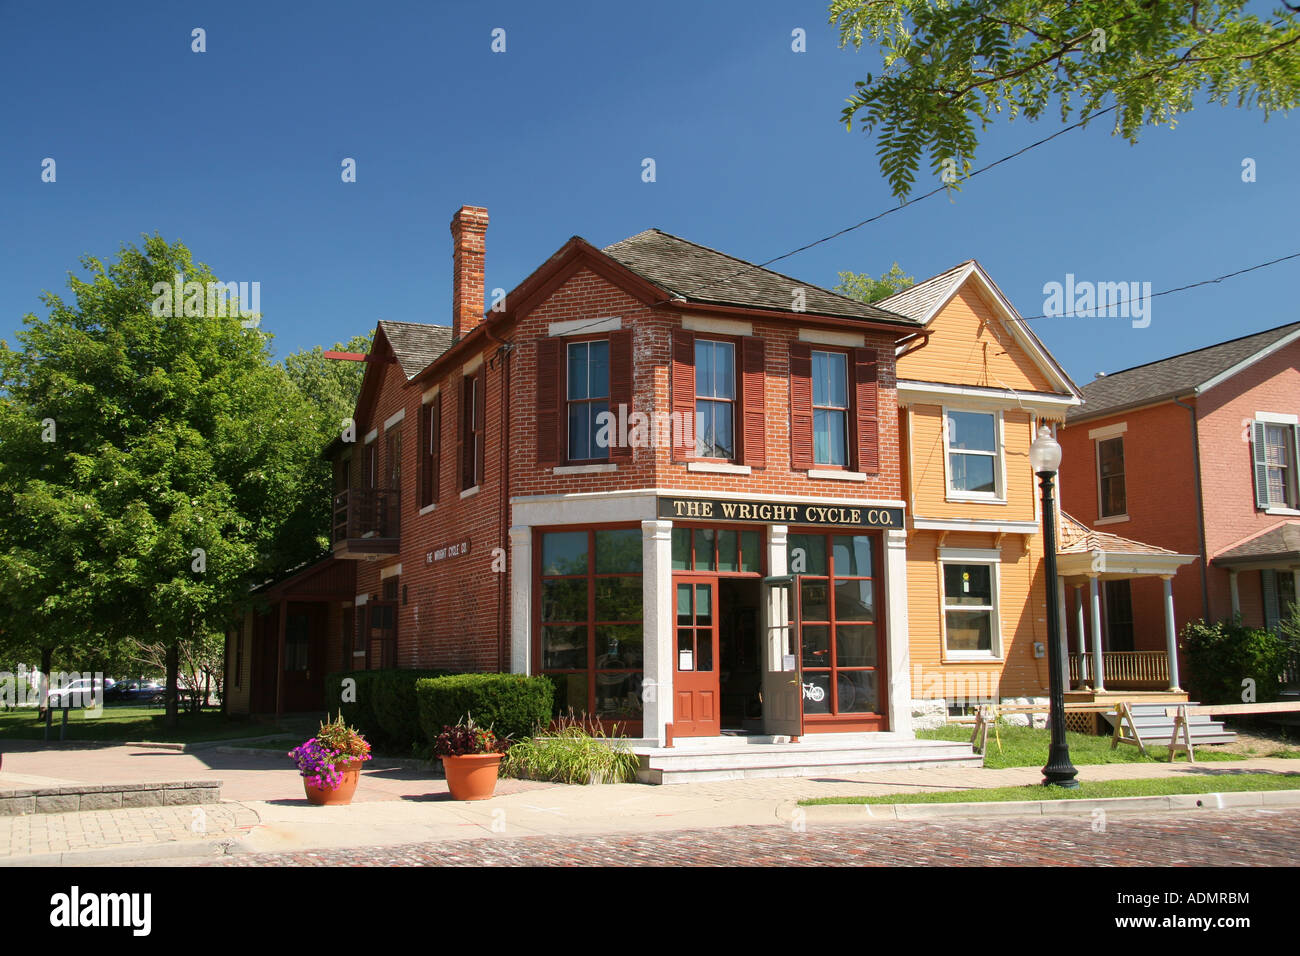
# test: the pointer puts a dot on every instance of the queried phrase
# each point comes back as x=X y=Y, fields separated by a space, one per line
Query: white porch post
x=896 y=637
x=1171 y=640
x=1083 y=635
x=1064 y=646
x=657 y=613
x=1099 y=680
x=1236 y=595
x=521 y=599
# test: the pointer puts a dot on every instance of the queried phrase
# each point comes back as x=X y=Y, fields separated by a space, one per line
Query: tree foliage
x=952 y=67
x=861 y=286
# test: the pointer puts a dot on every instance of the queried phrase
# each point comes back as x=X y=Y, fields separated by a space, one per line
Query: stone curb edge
x=135 y=853
x=880 y=813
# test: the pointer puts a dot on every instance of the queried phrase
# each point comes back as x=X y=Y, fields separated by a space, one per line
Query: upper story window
x=830 y=399
x=1111 y=487
x=587 y=378
x=715 y=399
x=393 y=458
x=973 y=453
x=471 y=425
x=1275 y=454
x=430 y=452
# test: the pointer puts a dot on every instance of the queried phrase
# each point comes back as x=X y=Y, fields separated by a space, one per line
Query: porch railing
x=1124 y=670
x=366 y=513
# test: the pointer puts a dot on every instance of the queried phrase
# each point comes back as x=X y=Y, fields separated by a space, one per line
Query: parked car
x=127 y=691
x=78 y=693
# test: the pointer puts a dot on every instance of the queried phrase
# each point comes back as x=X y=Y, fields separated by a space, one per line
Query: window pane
x=814 y=605
x=684 y=612
x=830 y=441
x=1110 y=456
x=598 y=370
x=817 y=693
x=724 y=370
x=971 y=430
x=728 y=547
x=685 y=649
x=703 y=650
x=972 y=473
x=1113 y=499
x=619 y=646
x=564 y=552
x=852 y=554
x=750 y=558
x=855 y=645
x=970 y=630
x=704 y=549
x=807 y=554
x=703 y=604
x=854 y=601
x=830 y=379
x=968 y=584
x=618 y=551
x=703 y=367
x=577 y=373
x=857 y=692
x=681 y=549
x=570 y=693
x=564 y=599
x=564 y=648
x=618 y=599
x=714 y=437
x=816 y=646
x=618 y=696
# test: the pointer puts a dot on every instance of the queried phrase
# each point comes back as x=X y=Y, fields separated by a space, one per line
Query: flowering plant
x=322 y=759
x=469 y=738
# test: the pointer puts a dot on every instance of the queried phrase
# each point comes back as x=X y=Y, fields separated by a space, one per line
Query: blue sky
x=237 y=153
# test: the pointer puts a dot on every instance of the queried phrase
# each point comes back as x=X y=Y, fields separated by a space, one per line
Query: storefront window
x=592 y=635
x=841 y=659
x=717 y=549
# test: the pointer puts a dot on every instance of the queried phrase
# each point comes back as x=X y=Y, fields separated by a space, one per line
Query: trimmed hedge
x=511 y=704
x=1220 y=657
x=385 y=709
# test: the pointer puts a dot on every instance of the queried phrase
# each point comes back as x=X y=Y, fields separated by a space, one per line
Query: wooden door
x=696 y=698
x=304 y=658
x=782 y=678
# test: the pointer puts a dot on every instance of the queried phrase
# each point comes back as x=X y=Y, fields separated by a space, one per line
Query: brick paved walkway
x=39 y=834
x=1213 y=838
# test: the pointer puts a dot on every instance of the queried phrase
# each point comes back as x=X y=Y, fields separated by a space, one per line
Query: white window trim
x=374 y=433
x=430 y=395
x=717 y=466
x=597 y=469
x=394 y=418
x=972 y=556
x=999 y=494
x=1277 y=418
x=1108 y=431
x=1284 y=420
x=699 y=323
x=1096 y=454
x=584 y=326
x=428 y=509
x=854 y=340
x=389 y=572
x=834 y=474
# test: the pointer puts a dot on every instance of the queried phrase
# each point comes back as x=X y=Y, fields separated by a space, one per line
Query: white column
x=898 y=649
x=1099 y=680
x=657 y=613
x=1236 y=595
x=1083 y=635
x=1171 y=639
x=521 y=599
x=1063 y=648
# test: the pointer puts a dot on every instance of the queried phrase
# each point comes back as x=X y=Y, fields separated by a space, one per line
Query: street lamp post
x=1045 y=457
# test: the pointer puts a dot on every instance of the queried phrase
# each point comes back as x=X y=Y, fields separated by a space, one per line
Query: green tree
x=949 y=67
x=149 y=468
x=860 y=285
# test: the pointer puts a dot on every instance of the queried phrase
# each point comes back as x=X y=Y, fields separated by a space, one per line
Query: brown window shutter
x=435 y=447
x=683 y=395
x=801 y=410
x=422 y=456
x=620 y=389
x=458 y=416
x=865 y=410
x=548 y=401
x=480 y=424
x=753 y=446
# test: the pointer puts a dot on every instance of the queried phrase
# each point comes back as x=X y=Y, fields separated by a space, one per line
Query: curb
x=1178 y=802
x=127 y=854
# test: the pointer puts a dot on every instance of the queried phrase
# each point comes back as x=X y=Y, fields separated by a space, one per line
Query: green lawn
x=1088 y=790
x=1027 y=747
x=127 y=722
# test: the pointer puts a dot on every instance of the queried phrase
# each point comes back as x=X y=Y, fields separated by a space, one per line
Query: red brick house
x=605 y=477
x=1196 y=454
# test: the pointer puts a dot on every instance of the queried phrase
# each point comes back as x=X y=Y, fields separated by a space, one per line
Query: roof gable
x=1188 y=373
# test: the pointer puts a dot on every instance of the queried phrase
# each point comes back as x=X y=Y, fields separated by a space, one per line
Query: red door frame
x=696 y=693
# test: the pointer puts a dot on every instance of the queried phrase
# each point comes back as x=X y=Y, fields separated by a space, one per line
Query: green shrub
x=571 y=753
x=1221 y=656
x=358 y=712
x=512 y=705
x=385 y=709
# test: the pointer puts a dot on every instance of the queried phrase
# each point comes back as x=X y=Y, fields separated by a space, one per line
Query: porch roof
x=1279 y=545
x=325 y=578
x=1084 y=552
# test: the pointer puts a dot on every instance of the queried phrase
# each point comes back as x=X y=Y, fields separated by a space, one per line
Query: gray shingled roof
x=1281 y=543
x=919 y=300
x=416 y=345
x=1168 y=378
x=700 y=274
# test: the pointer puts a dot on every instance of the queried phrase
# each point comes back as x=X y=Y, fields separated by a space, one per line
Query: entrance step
x=706 y=759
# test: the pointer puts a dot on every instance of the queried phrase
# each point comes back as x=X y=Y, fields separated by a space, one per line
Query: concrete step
x=1156 y=728
x=701 y=762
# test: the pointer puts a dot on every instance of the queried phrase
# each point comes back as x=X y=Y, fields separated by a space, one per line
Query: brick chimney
x=468 y=231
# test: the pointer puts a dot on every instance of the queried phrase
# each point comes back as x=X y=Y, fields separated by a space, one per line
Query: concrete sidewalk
x=269 y=813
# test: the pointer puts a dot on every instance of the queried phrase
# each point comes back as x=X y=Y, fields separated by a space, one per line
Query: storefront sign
x=448 y=551
x=775 y=512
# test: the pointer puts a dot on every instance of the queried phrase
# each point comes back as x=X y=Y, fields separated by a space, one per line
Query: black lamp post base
x=1059 y=772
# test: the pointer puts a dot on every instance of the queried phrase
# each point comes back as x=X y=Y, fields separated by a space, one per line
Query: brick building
x=1195 y=453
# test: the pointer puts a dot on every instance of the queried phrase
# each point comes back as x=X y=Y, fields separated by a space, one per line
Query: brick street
x=1213 y=838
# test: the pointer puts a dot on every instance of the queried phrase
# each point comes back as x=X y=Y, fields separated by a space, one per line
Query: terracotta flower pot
x=340 y=795
x=473 y=776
